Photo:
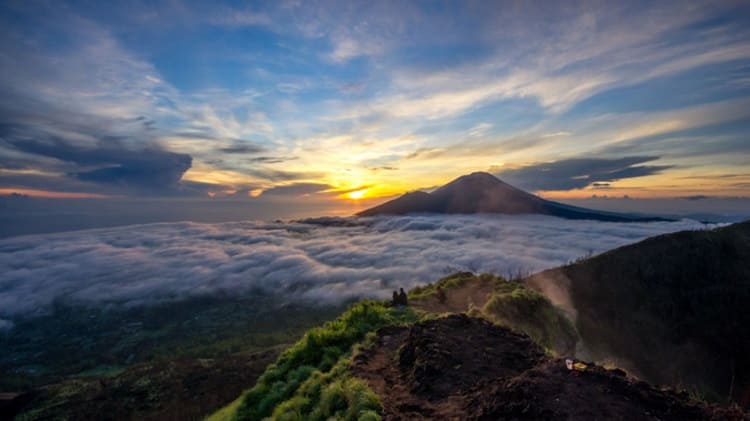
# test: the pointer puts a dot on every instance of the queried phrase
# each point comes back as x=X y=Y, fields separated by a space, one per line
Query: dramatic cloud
x=108 y=161
x=579 y=172
x=283 y=92
x=327 y=260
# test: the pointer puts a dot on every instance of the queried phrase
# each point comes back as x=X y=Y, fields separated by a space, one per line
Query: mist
x=324 y=262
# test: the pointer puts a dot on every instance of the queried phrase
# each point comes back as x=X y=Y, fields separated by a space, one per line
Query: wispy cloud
x=579 y=172
x=347 y=86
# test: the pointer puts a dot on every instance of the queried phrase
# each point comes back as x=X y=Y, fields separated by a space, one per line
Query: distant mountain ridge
x=481 y=192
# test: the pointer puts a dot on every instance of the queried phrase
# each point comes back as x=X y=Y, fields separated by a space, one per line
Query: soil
x=463 y=368
x=184 y=389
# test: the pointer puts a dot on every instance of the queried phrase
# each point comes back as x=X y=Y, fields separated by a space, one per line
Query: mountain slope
x=481 y=192
x=460 y=367
x=672 y=308
x=377 y=362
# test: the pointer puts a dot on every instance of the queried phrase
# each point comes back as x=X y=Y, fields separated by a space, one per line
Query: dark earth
x=464 y=368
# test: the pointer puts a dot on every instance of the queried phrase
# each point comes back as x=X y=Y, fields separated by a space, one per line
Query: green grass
x=530 y=312
x=455 y=280
x=331 y=395
x=228 y=412
x=514 y=306
x=309 y=379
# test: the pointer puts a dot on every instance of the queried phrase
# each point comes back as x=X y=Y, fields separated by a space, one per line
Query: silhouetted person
x=395 y=300
x=403 y=300
x=441 y=295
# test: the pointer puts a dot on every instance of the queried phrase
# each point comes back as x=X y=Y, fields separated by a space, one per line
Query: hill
x=498 y=360
x=672 y=309
x=460 y=367
x=481 y=192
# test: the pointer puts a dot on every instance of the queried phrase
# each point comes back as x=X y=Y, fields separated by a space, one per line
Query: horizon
x=343 y=106
x=330 y=209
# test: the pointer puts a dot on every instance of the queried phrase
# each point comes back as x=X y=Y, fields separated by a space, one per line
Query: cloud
x=243 y=149
x=696 y=197
x=295 y=74
x=148 y=264
x=345 y=49
x=241 y=19
x=577 y=173
x=272 y=159
x=296 y=189
x=105 y=161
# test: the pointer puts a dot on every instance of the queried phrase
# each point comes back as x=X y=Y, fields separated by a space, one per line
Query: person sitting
x=395 y=300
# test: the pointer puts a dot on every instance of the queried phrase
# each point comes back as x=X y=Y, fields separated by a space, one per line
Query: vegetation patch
x=82 y=341
x=310 y=380
x=508 y=303
x=453 y=281
x=528 y=311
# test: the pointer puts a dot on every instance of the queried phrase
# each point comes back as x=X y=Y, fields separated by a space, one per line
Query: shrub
x=456 y=280
x=307 y=378
x=530 y=312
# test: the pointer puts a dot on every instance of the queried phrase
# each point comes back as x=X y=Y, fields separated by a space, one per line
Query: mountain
x=481 y=192
x=672 y=309
x=473 y=347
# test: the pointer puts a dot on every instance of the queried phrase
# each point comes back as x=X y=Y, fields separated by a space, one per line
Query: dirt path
x=473 y=293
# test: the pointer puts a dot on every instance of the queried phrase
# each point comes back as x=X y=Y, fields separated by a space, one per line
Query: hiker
x=441 y=295
x=402 y=298
x=395 y=300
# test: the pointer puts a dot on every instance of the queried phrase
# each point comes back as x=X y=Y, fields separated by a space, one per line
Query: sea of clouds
x=323 y=261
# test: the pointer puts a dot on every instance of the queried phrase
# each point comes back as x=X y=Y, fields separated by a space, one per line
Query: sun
x=357 y=194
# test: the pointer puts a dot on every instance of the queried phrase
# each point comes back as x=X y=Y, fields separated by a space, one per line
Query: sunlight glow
x=357 y=194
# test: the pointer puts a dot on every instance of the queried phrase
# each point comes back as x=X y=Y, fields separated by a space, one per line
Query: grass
x=331 y=395
x=455 y=280
x=310 y=380
x=513 y=305
x=530 y=312
x=228 y=412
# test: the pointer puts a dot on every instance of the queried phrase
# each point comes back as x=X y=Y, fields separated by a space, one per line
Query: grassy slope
x=506 y=303
x=311 y=380
x=671 y=308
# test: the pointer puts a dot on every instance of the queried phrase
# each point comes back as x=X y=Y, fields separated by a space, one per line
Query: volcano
x=481 y=192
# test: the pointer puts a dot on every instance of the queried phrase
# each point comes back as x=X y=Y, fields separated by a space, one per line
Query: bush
x=456 y=280
x=310 y=378
x=530 y=312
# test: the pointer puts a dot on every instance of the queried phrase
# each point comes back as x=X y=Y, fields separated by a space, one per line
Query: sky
x=338 y=105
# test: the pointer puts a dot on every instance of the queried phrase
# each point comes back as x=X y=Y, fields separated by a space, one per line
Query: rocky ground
x=466 y=368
